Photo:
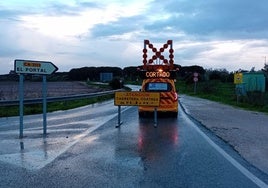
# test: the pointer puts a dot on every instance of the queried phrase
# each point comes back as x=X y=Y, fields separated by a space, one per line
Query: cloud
x=213 y=33
x=212 y=18
x=62 y=9
x=119 y=27
x=234 y=54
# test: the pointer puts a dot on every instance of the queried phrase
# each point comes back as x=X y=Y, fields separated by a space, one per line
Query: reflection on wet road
x=151 y=139
x=65 y=128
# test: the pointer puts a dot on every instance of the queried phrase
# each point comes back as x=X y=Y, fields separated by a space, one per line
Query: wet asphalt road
x=174 y=154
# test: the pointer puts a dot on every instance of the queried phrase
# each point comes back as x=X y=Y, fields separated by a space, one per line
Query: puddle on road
x=34 y=152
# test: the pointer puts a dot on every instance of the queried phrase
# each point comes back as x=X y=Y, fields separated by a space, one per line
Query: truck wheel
x=174 y=114
x=141 y=114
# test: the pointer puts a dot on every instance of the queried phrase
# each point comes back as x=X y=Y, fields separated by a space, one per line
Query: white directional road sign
x=34 y=67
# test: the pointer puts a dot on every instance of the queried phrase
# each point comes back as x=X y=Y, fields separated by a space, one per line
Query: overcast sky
x=217 y=34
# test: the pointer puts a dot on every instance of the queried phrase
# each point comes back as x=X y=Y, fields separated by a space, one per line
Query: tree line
x=128 y=73
x=132 y=74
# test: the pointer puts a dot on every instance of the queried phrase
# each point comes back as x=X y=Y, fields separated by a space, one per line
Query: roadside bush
x=256 y=98
x=116 y=83
x=2 y=95
x=209 y=87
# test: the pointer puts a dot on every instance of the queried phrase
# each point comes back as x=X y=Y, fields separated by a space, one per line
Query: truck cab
x=158 y=74
x=162 y=83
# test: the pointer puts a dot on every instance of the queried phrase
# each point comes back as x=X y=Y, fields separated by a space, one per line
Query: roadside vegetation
x=216 y=85
x=222 y=89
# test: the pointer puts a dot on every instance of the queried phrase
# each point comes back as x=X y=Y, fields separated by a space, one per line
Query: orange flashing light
x=150 y=63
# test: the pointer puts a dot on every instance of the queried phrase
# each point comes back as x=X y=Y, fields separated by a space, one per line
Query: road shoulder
x=246 y=131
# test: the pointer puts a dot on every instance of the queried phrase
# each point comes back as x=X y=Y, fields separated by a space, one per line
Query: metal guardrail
x=57 y=99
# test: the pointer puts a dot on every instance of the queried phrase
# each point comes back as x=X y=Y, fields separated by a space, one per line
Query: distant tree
x=116 y=83
x=131 y=73
x=265 y=68
x=93 y=73
x=265 y=71
x=187 y=72
x=191 y=69
x=117 y=72
x=220 y=74
x=176 y=66
x=83 y=73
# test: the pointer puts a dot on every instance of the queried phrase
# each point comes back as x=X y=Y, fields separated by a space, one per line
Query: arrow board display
x=34 y=67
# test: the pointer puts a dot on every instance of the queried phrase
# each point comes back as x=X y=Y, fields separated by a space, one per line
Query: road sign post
x=136 y=98
x=155 y=117
x=119 y=117
x=21 y=104
x=239 y=86
x=44 y=94
x=44 y=68
x=195 y=79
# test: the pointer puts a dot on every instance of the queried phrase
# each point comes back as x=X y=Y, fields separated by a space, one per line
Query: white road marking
x=236 y=164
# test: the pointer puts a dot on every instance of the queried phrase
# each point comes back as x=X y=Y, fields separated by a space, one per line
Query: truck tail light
x=175 y=96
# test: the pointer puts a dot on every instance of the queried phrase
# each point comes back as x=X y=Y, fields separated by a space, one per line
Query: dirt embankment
x=10 y=90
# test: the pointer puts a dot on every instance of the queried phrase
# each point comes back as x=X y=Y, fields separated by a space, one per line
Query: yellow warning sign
x=136 y=98
x=238 y=78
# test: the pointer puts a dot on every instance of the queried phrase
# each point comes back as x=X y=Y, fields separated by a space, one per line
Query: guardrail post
x=21 y=93
x=56 y=99
x=44 y=93
x=119 y=117
x=155 y=117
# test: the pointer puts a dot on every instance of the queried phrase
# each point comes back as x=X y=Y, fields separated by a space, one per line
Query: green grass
x=97 y=85
x=225 y=93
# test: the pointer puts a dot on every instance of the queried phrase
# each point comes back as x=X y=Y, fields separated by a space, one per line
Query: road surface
x=84 y=149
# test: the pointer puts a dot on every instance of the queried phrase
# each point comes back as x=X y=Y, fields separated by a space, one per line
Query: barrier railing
x=57 y=99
